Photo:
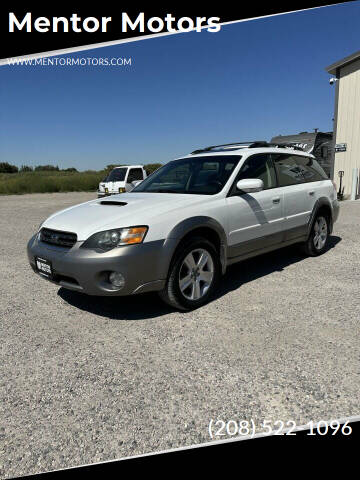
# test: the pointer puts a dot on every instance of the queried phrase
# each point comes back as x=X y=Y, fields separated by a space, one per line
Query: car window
x=205 y=175
x=259 y=166
x=175 y=176
x=135 y=174
x=311 y=170
x=116 y=175
x=289 y=170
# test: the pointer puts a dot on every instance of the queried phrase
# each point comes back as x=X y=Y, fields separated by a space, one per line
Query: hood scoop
x=113 y=202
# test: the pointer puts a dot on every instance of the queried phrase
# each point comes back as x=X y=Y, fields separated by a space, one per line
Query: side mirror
x=250 y=185
x=136 y=182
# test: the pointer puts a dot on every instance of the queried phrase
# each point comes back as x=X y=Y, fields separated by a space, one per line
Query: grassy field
x=49 y=181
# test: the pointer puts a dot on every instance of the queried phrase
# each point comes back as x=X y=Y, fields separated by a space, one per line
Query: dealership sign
x=340 y=147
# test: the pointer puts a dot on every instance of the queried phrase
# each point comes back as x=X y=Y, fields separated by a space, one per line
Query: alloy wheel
x=196 y=274
x=320 y=233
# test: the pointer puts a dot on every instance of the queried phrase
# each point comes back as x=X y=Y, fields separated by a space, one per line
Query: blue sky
x=251 y=80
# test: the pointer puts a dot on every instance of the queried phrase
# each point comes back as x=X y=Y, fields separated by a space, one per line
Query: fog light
x=117 y=279
x=121 y=190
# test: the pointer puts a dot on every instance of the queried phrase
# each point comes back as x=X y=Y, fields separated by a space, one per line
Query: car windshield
x=116 y=175
x=205 y=175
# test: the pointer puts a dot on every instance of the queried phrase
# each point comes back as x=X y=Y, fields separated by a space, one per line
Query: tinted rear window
x=311 y=170
x=288 y=170
x=295 y=169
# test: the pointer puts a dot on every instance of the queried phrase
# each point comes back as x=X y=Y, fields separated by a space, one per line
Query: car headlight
x=116 y=238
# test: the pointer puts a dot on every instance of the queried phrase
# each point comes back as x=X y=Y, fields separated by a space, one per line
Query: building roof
x=341 y=63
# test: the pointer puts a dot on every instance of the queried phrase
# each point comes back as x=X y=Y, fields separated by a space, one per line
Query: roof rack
x=228 y=146
x=237 y=145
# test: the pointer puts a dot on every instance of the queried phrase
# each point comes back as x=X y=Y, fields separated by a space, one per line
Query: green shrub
x=49 y=168
x=5 y=167
x=26 y=168
x=47 y=178
x=151 y=167
x=46 y=181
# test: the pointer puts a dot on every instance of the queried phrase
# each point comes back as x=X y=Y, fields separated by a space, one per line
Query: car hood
x=124 y=210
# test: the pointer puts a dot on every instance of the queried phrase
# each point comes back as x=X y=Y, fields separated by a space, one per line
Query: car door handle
x=276 y=200
x=311 y=192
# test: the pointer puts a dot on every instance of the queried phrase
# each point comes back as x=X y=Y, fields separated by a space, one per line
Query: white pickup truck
x=121 y=179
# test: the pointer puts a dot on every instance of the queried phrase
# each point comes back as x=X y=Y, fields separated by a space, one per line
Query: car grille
x=54 y=237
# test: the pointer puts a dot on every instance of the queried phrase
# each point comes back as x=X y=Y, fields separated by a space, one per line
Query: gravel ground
x=88 y=379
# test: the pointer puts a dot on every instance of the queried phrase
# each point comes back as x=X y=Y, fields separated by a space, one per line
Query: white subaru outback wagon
x=178 y=230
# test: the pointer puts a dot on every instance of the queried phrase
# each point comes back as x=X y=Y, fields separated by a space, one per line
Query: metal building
x=346 y=77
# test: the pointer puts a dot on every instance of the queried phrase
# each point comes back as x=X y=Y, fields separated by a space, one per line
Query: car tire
x=317 y=241
x=193 y=275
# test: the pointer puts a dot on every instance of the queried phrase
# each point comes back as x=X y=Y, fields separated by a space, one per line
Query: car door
x=298 y=199
x=316 y=181
x=255 y=220
x=134 y=174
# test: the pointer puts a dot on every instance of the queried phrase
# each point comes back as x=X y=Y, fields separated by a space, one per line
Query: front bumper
x=108 y=194
x=103 y=194
x=143 y=266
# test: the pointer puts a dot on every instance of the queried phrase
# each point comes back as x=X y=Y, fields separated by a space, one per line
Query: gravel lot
x=88 y=379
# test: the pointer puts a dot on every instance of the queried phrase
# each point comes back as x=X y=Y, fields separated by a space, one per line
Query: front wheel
x=193 y=275
x=317 y=242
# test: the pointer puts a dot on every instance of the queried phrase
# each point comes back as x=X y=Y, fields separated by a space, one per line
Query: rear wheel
x=193 y=276
x=317 y=242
